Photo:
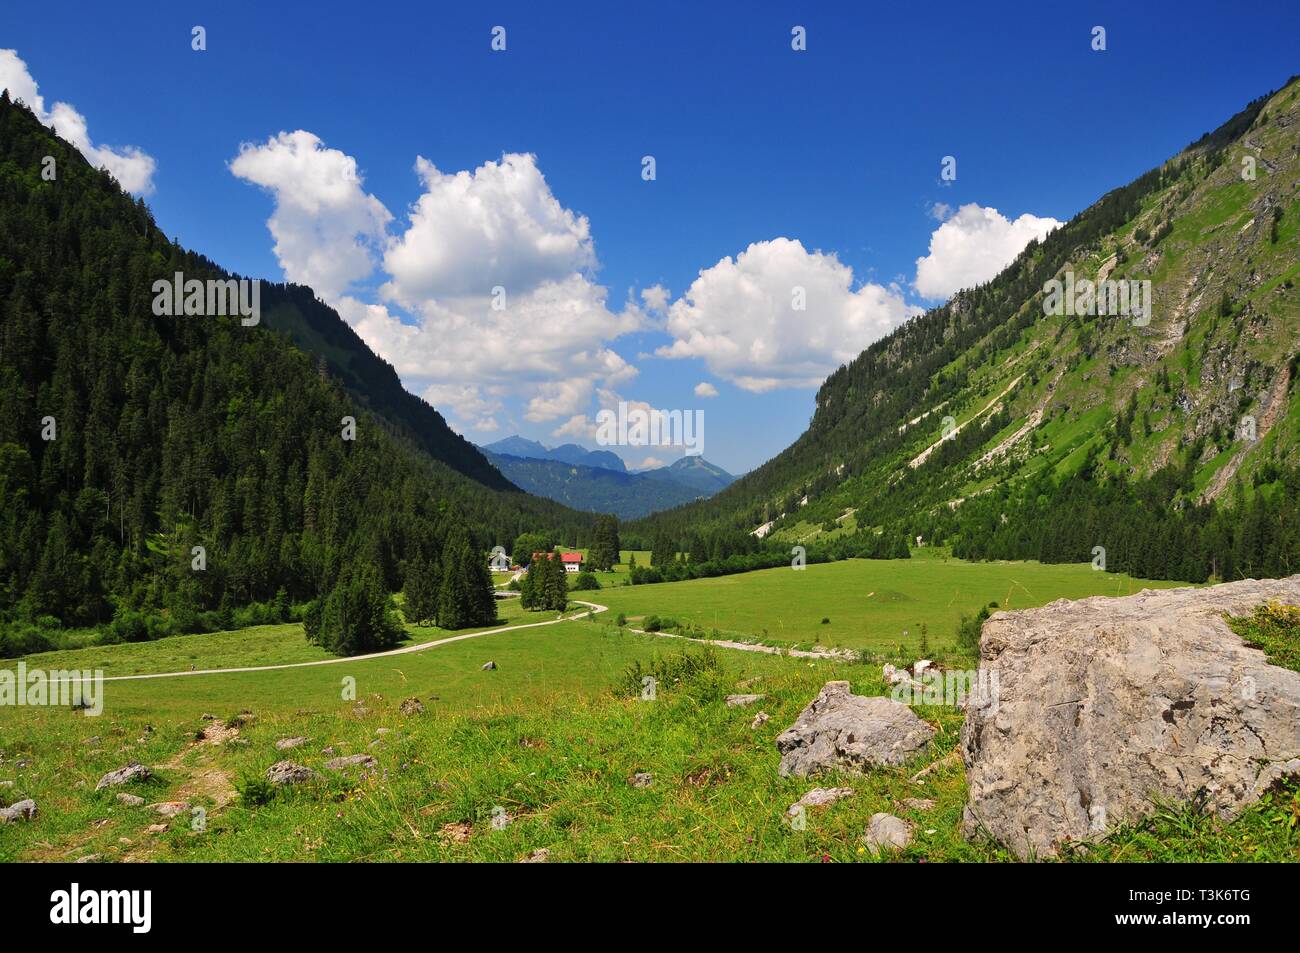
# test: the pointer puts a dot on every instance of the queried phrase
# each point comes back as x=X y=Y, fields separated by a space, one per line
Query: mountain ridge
x=989 y=397
x=164 y=471
x=626 y=494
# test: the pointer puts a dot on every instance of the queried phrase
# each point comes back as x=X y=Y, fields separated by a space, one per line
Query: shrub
x=128 y=626
x=969 y=629
x=586 y=581
x=698 y=672
x=254 y=790
x=19 y=639
x=652 y=624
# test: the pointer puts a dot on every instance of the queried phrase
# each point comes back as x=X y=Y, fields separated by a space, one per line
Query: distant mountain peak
x=517 y=446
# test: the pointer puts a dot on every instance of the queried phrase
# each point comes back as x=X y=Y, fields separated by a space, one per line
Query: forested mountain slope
x=1009 y=432
x=370 y=380
x=127 y=439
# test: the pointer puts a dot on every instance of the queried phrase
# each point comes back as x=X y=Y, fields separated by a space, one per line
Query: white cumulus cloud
x=972 y=246
x=742 y=316
x=496 y=226
x=327 y=229
x=132 y=167
x=705 y=389
x=543 y=339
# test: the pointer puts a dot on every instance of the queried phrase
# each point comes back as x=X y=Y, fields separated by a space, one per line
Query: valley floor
x=538 y=754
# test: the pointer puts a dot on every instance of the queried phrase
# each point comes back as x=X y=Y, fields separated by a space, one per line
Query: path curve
x=834 y=655
x=592 y=607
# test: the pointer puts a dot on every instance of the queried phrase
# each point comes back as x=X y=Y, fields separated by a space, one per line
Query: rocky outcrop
x=22 y=811
x=842 y=730
x=128 y=774
x=287 y=772
x=1104 y=706
x=885 y=832
x=364 y=761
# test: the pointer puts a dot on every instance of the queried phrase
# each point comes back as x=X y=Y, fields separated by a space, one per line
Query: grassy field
x=257 y=645
x=870 y=603
x=547 y=740
x=555 y=760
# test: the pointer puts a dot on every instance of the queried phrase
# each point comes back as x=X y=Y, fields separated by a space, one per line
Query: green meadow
x=870 y=604
x=256 y=645
x=535 y=756
x=547 y=742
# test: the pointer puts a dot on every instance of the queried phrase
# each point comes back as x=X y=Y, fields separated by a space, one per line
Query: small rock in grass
x=155 y=828
x=642 y=779
x=887 y=832
x=170 y=808
x=130 y=800
x=918 y=803
x=22 y=811
x=207 y=717
x=739 y=701
x=286 y=772
x=412 y=706
x=365 y=761
x=489 y=666
x=539 y=856
x=88 y=859
x=760 y=720
x=894 y=676
x=284 y=744
x=382 y=731
x=841 y=730
x=819 y=797
x=132 y=772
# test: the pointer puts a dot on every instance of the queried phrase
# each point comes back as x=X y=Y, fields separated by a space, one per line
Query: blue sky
x=817 y=168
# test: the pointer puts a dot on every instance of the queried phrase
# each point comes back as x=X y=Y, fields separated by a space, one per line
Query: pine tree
x=604 y=549
x=453 y=611
x=662 y=551
x=423 y=584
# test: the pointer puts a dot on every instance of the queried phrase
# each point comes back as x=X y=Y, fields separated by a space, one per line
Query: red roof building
x=572 y=561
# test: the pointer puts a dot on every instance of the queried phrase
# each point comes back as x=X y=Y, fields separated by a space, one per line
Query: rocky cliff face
x=1105 y=707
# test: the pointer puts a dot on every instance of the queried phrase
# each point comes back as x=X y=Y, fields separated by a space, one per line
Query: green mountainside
x=127 y=439
x=370 y=380
x=1069 y=432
